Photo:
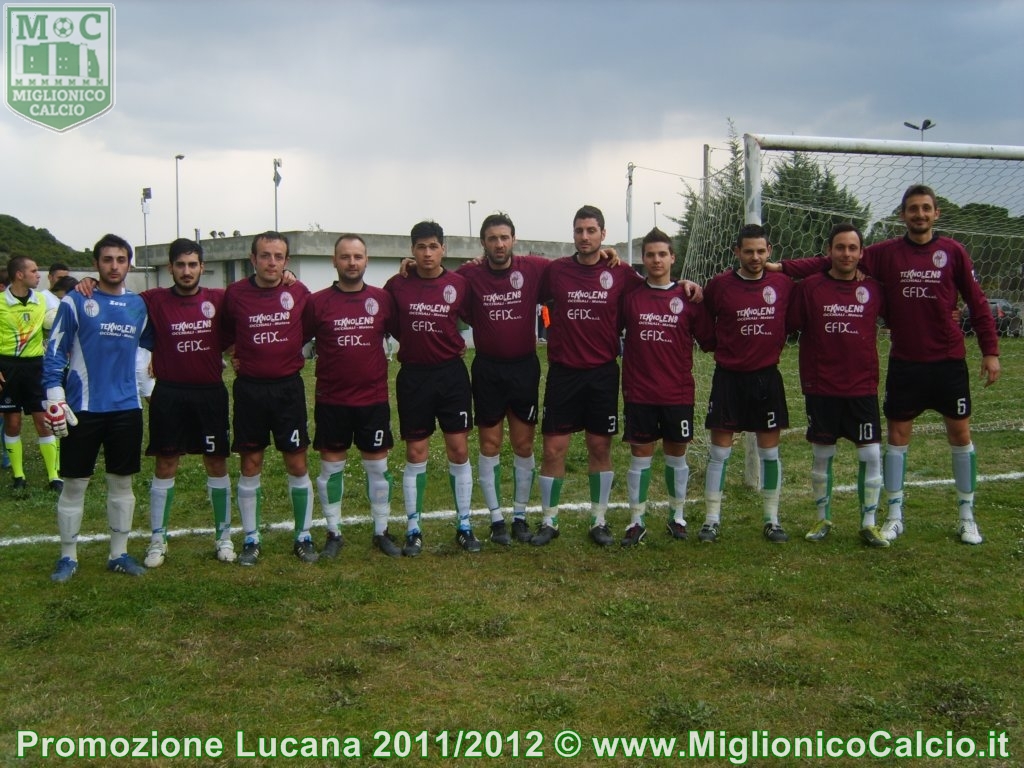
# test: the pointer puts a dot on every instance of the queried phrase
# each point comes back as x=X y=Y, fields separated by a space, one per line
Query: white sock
x=70 y=510
x=714 y=482
x=378 y=489
x=677 y=478
x=523 y=471
x=414 y=481
x=330 y=488
x=249 y=491
x=161 y=493
x=893 y=471
x=461 y=476
x=488 y=471
x=120 y=512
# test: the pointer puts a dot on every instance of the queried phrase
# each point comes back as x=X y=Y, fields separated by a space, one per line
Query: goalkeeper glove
x=58 y=415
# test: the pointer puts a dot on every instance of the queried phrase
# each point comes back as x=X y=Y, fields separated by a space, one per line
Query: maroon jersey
x=427 y=312
x=265 y=325
x=503 y=307
x=921 y=285
x=749 y=319
x=838 y=321
x=188 y=339
x=351 y=368
x=657 y=361
x=584 y=330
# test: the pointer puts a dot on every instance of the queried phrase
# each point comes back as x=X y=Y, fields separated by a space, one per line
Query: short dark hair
x=918 y=189
x=183 y=246
x=589 y=212
x=657 y=236
x=58 y=266
x=66 y=284
x=751 y=232
x=349 y=236
x=844 y=226
x=268 y=235
x=111 y=241
x=499 y=219
x=425 y=230
x=16 y=264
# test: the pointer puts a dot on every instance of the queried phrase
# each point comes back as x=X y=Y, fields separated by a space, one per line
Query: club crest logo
x=516 y=279
x=59 y=63
x=372 y=307
x=769 y=295
x=676 y=305
x=450 y=294
x=940 y=259
x=208 y=310
x=287 y=301
x=863 y=295
x=607 y=281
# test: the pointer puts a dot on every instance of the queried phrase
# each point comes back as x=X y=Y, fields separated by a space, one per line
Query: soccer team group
x=82 y=386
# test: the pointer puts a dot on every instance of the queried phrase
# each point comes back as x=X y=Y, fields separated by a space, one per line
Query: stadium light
x=177 y=197
x=924 y=126
x=277 y=183
x=469 y=209
x=656 y=204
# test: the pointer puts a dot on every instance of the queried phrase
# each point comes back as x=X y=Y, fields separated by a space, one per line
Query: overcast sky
x=387 y=112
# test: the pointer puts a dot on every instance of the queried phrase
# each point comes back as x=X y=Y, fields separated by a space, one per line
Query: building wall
x=227 y=258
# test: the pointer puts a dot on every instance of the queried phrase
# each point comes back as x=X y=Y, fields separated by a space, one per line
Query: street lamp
x=277 y=183
x=656 y=204
x=177 y=197
x=469 y=209
x=147 y=195
x=924 y=126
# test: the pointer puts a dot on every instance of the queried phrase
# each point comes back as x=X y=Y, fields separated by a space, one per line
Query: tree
x=711 y=219
x=800 y=203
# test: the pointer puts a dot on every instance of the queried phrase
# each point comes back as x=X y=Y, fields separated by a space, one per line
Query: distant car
x=1007 y=317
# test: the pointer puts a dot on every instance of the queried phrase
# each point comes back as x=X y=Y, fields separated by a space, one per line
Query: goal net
x=798 y=187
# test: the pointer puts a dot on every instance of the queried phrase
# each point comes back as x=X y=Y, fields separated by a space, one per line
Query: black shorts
x=913 y=388
x=429 y=392
x=503 y=386
x=747 y=402
x=119 y=433
x=269 y=406
x=22 y=389
x=577 y=399
x=650 y=423
x=188 y=419
x=855 y=418
x=337 y=426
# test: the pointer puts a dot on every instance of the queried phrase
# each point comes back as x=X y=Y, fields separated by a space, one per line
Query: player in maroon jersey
x=262 y=317
x=924 y=275
x=188 y=411
x=505 y=372
x=747 y=307
x=433 y=383
x=349 y=320
x=837 y=317
x=657 y=384
x=582 y=388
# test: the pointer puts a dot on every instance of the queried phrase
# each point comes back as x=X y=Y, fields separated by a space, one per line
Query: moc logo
x=59 y=63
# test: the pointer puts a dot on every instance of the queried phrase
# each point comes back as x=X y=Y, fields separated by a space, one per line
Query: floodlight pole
x=277 y=183
x=177 y=196
x=924 y=126
x=469 y=210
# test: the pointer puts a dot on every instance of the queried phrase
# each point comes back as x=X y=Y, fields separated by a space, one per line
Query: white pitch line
x=443 y=514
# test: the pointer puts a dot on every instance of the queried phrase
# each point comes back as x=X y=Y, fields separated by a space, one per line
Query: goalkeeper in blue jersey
x=96 y=339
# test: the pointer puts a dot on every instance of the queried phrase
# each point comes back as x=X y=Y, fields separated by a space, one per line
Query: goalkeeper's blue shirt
x=96 y=339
